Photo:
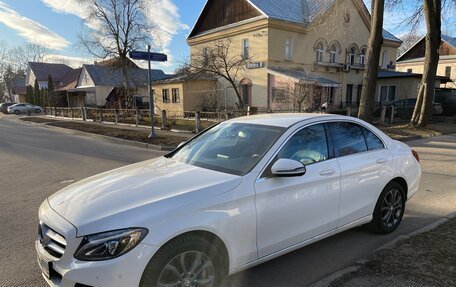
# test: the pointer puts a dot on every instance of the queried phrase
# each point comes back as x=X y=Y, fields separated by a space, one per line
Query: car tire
x=389 y=209
x=202 y=258
x=16 y=112
x=37 y=111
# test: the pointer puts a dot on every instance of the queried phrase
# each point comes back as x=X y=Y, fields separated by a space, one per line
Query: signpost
x=156 y=57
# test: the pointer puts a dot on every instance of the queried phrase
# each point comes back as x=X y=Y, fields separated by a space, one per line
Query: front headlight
x=109 y=245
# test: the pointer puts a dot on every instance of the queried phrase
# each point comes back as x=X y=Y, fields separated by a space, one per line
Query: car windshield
x=234 y=148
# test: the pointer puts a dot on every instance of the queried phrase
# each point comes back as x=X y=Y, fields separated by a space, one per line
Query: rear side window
x=347 y=138
x=372 y=141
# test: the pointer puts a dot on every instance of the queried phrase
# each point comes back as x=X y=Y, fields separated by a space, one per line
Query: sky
x=57 y=24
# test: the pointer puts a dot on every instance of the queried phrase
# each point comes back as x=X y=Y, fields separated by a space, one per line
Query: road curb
x=104 y=138
x=412 y=138
x=354 y=267
x=115 y=140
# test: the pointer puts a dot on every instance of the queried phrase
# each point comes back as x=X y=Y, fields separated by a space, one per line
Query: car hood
x=123 y=197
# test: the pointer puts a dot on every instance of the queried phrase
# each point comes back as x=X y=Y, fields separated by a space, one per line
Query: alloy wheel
x=188 y=269
x=391 y=208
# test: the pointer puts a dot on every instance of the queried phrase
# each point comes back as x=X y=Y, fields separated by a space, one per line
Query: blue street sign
x=155 y=57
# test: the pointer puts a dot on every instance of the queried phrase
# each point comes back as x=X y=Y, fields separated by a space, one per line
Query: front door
x=291 y=210
x=245 y=94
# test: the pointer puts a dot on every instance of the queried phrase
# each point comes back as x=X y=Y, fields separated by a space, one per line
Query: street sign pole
x=156 y=57
x=151 y=99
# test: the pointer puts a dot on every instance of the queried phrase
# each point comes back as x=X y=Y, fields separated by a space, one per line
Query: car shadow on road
x=318 y=260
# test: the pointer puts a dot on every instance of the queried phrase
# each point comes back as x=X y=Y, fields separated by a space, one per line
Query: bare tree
x=304 y=95
x=432 y=14
x=113 y=29
x=3 y=66
x=22 y=55
x=220 y=60
x=407 y=42
x=367 y=101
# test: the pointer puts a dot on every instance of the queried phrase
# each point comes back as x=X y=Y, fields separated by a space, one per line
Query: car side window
x=348 y=138
x=307 y=146
x=372 y=141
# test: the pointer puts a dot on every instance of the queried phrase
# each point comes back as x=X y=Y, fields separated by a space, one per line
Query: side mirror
x=285 y=167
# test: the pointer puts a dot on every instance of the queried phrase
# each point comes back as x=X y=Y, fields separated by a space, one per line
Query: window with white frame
x=362 y=57
x=175 y=95
x=333 y=54
x=387 y=93
x=320 y=52
x=245 y=49
x=288 y=48
x=351 y=56
x=165 y=94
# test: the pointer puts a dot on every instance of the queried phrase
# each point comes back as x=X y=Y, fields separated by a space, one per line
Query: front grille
x=51 y=241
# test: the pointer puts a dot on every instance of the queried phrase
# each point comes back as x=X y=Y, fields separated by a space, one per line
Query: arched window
x=362 y=57
x=351 y=56
x=320 y=52
x=333 y=53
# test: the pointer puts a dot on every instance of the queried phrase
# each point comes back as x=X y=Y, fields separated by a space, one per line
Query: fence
x=446 y=97
x=187 y=121
x=196 y=121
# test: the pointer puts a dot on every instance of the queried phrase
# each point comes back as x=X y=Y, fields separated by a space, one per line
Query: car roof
x=283 y=120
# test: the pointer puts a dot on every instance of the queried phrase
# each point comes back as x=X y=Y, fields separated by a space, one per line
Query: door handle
x=382 y=160
x=327 y=172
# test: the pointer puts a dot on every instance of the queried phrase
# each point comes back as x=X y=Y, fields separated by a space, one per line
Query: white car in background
x=243 y=192
x=24 y=108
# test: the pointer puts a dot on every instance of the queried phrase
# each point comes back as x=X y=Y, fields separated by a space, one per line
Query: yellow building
x=321 y=43
x=412 y=61
x=186 y=92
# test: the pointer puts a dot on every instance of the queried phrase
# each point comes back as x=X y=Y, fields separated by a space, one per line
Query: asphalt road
x=37 y=161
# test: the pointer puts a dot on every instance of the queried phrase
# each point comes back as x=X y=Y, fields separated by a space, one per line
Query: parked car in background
x=24 y=108
x=437 y=108
x=243 y=192
x=403 y=108
x=4 y=107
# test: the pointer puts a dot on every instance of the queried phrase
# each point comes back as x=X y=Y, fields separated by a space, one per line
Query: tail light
x=416 y=155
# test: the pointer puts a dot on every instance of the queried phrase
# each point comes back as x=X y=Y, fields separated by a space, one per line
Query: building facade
x=412 y=61
x=304 y=43
x=186 y=93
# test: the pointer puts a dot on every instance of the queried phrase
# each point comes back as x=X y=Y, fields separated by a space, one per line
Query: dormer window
x=333 y=54
x=320 y=52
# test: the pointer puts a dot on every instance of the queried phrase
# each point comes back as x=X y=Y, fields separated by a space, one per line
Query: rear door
x=365 y=167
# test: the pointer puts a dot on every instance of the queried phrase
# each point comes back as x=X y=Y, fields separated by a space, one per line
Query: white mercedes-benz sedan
x=240 y=193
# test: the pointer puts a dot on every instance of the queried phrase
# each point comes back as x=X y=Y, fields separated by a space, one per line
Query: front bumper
x=67 y=271
x=123 y=271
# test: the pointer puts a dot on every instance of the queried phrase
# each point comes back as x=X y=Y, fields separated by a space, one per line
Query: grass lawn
x=402 y=131
x=116 y=132
x=428 y=259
